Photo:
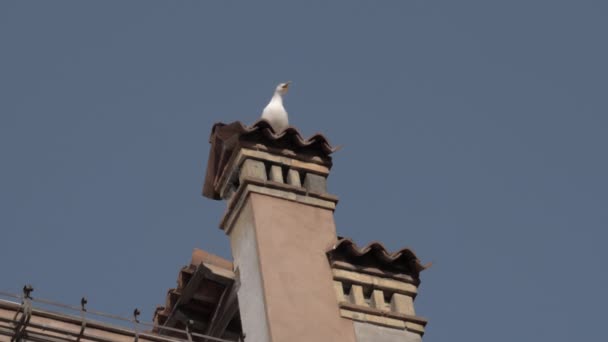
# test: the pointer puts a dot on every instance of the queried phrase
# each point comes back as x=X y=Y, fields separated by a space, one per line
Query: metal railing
x=27 y=310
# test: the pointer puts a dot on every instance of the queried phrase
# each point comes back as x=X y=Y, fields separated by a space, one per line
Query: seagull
x=274 y=112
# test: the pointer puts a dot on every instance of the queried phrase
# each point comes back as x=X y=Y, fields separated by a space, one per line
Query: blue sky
x=473 y=132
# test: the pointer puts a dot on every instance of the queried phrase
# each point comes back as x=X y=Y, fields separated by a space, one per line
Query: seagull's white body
x=274 y=112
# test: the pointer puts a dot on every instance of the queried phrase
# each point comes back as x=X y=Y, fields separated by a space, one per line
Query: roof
x=206 y=296
x=374 y=258
x=20 y=321
x=226 y=138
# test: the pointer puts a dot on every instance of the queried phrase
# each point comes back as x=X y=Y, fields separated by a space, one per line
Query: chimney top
x=377 y=289
x=227 y=139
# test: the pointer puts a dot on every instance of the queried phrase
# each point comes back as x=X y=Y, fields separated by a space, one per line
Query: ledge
x=386 y=318
x=374 y=271
x=274 y=189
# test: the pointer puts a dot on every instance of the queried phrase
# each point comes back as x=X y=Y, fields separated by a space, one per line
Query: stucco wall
x=366 y=332
x=250 y=293
x=298 y=282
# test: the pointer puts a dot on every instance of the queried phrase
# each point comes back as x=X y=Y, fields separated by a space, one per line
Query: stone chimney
x=280 y=222
x=376 y=289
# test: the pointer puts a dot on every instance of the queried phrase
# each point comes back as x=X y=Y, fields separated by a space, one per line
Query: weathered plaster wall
x=298 y=282
x=366 y=332
x=250 y=293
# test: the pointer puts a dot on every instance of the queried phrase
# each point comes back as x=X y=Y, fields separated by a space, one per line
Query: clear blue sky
x=475 y=132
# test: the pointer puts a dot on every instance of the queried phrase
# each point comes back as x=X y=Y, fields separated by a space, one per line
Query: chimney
x=294 y=275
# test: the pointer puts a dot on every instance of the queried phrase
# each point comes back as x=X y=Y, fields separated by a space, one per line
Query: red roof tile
x=291 y=137
x=203 y=288
x=375 y=256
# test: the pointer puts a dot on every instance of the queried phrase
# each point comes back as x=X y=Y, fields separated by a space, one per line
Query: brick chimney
x=280 y=222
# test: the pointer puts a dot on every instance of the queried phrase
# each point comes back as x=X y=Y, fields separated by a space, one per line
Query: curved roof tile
x=375 y=255
x=290 y=136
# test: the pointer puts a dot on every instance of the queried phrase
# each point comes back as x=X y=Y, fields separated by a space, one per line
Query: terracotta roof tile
x=375 y=256
x=198 y=295
x=291 y=137
x=200 y=256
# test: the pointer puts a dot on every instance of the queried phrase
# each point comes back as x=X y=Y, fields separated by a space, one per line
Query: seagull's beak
x=284 y=87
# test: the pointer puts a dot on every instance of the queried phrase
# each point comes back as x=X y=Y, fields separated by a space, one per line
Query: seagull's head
x=282 y=88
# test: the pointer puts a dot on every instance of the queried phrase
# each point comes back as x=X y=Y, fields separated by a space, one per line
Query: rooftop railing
x=28 y=306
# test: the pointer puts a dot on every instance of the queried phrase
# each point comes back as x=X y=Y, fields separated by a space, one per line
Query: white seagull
x=274 y=112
